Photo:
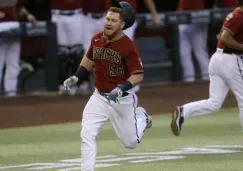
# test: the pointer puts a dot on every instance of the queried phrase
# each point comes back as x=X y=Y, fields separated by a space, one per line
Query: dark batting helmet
x=240 y=2
x=128 y=12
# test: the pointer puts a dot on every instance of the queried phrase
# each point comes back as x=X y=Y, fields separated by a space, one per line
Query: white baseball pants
x=10 y=56
x=225 y=72
x=193 y=37
x=127 y=120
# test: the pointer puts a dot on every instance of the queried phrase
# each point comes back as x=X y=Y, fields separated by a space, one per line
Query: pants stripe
x=136 y=126
x=239 y=67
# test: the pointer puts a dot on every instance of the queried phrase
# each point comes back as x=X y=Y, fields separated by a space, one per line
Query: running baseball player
x=225 y=72
x=117 y=69
x=10 y=12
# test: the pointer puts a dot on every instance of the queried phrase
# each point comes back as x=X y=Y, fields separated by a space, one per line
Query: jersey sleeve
x=134 y=62
x=233 y=23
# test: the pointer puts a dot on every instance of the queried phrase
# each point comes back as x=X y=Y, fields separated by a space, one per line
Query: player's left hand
x=115 y=95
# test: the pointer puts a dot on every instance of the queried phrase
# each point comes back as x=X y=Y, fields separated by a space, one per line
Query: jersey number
x=116 y=70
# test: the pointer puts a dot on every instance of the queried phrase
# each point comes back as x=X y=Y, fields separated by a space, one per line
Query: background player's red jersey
x=114 y=61
x=66 y=4
x=9 y=10
x=234 y=24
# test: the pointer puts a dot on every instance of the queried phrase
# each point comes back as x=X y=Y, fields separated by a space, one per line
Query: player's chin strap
x=117 y=93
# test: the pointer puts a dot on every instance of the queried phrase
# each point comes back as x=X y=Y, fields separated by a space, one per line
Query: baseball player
x=10 y=12
x=193 y=37
x=130 y=32
x=225 y=72
x=69 y=19
x=117 y=69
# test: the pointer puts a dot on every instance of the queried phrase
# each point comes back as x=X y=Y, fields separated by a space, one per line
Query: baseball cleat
x=149 y=121
x=177 y=120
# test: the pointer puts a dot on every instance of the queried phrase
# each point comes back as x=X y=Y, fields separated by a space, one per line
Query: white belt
x=63 y=12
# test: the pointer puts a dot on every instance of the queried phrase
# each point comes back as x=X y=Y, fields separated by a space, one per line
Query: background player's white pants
x=10 y=55
x=69 y=28
x=193 y=37
x=130 y=32
x=127 y=120
x=225 y=72
x=91 y=27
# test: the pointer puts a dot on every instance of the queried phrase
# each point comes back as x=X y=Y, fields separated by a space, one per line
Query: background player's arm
x=150 y=5
x=23 y=12
x=228 y=40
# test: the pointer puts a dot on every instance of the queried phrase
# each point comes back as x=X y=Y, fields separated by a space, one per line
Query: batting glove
x=115 y=95
x=69 y=82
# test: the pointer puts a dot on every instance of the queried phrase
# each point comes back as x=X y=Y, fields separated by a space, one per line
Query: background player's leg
x=3 y=48
x=12 y=67
x=94 y=118
x=128 y=121
x=199 y=43
x=63 y=50
x=75 y=39
x=218 y=90
x=185 y=52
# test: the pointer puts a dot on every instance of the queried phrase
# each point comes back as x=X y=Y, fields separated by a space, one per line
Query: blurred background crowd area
x=194 y=65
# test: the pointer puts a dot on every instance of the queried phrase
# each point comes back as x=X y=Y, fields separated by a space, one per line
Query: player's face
x=113 y=24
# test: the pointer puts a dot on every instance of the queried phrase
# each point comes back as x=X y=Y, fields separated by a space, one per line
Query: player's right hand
x=69 y=82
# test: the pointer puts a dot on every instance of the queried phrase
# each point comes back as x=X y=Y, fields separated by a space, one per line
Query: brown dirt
x=39 y=110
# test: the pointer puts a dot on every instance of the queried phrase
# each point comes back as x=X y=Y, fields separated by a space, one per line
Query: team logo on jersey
x=229 y=16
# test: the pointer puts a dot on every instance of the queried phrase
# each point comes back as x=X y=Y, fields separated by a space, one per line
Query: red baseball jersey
x=234 y=24
x=229 y=3
x=100 y=6
x=115 y=61
x=8 y=10
x=66 y=4
x=191 y=5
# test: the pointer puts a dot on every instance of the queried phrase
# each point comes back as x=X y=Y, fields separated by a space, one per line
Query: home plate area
x=129 y=158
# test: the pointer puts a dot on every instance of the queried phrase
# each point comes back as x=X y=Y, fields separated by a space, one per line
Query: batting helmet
x=129 y=15
x=239 y=2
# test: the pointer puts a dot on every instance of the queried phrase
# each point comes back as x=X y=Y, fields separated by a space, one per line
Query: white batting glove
x=69 y=82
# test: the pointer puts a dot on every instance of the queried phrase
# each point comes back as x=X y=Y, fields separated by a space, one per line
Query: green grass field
x=207 y=143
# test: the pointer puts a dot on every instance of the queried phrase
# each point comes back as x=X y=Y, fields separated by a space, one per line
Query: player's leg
x=199 y=44
x=218 y=90
x=235 y=81
x=129 y=121
x=12 y=66
x=94 y=118
x=3 y=48
x=185 y=35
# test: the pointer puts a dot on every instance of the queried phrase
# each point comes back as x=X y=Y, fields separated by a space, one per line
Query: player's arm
x=23 y=13
x=152 y=9
x=227 y=39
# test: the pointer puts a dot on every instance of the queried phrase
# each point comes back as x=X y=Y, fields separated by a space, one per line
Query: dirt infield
x=39 y=110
